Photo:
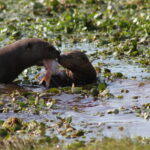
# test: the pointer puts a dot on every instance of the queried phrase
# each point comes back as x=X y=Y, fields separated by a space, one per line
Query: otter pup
x=22 y=54
x=79 y=70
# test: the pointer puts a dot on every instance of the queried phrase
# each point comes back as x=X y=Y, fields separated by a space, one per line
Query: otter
x=16 y=57
x=78 y=70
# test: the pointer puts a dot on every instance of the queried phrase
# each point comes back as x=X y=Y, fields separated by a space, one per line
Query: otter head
x=73 y=60
x=79 y=64
x=42 y=49
x=42 y=53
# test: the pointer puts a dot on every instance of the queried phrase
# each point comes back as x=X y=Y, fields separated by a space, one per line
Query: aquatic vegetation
x=52 y=144
x=143 y=111
x=104 y=22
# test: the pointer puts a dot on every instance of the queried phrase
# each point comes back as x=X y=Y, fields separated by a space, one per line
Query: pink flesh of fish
x=48 y=66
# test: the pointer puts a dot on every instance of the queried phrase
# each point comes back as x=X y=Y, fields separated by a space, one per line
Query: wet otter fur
x=78 y=70
x=22 y=54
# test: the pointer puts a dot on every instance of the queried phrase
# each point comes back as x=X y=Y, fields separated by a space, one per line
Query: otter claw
x=44 y=82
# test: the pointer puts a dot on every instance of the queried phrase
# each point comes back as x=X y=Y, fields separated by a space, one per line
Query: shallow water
x=88 y=115
x=108 y=125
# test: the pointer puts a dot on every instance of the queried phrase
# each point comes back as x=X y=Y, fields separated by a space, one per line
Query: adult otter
x=79 y=70
x=22 y=54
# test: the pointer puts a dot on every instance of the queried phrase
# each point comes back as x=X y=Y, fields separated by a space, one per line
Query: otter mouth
x=50 y=68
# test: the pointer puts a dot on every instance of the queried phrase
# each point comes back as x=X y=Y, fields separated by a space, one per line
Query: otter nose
x=59 y=58
x=58 y=53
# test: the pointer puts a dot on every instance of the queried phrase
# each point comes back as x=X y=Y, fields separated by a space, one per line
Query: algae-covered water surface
x=115 y=35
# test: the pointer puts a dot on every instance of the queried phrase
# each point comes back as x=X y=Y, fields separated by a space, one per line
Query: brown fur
x=22 y=54
x=79 y=70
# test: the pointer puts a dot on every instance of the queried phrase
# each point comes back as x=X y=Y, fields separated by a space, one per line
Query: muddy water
x=92 y=115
